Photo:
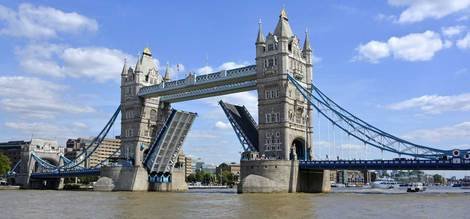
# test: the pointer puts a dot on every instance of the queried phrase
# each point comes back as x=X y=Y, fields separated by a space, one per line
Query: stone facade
x=47 y=150
x=284 y=115
x=140 y=118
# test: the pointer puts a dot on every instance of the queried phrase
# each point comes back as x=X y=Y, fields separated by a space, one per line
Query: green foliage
x=227 y=178
x=203 y=177
x=223 y=177
x=438 y=178
x=4 y=164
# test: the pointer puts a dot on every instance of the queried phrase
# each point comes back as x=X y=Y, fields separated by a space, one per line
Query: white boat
x=385 y=183
x=416 y=187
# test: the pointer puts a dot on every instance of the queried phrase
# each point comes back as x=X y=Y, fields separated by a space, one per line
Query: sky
x=401 y=65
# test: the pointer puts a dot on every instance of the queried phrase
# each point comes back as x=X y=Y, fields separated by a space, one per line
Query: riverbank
x=9 y=187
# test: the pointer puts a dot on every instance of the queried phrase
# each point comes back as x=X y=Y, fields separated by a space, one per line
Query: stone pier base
x=267 y=176
x=314 y=181
x=125 y=178
x=178 y=183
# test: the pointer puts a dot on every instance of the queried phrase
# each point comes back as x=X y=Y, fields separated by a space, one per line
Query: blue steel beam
x=210 y=92
x=69 y=173
x=192 y=82
x=241 y=130
x=453 y=164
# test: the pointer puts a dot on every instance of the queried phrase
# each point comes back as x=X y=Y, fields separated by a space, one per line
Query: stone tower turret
x=139 y=121
x=284 y=115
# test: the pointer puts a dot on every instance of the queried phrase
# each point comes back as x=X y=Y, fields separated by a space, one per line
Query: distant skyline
x=400 y=65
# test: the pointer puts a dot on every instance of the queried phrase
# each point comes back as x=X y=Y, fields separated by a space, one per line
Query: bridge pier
x=124 y=178
x=177 y=184
x=268 y=176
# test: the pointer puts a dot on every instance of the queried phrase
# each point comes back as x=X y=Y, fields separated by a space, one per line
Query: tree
x=4 y=164
x=438 y=178
x=191 y=178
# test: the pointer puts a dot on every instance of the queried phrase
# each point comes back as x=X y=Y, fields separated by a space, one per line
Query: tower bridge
x=278 y=148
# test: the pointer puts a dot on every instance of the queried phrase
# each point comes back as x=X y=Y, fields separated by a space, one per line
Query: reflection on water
x=228 y=204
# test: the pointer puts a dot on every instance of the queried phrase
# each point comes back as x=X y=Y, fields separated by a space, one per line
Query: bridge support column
x=268 y=176
x=314 y=181
x=125 y=178
x=177 y=184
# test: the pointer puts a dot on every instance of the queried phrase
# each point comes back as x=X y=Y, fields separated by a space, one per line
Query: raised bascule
x=278 y=149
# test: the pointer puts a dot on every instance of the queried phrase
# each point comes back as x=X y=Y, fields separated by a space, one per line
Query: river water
x=343 y=203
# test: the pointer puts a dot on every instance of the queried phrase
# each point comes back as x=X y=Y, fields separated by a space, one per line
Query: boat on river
x=385 y=183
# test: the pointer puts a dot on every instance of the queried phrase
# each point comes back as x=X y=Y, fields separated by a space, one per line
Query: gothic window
x=290 y=47
x=153 y=115
x=270 y=62
x=275 y=61
x=278 y=134
x=270 y=47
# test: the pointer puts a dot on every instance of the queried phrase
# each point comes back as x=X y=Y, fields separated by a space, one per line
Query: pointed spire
x=139 y=63
x=307 y=47
x=124 y=68
x=283 y=28
x=167 y=72
x=260 y=39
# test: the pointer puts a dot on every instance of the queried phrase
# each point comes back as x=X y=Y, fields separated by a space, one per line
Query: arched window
x=153 y=115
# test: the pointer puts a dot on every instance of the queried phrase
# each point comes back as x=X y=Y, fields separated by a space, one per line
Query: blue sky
x=402 y=65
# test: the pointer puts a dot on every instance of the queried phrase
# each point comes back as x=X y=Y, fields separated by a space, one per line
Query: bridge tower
x=139 y=116
x=284 y=115
x=285 y=120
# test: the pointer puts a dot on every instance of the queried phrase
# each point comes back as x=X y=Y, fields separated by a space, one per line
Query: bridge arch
x=300 y=148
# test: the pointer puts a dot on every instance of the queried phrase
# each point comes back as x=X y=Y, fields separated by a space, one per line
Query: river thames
x=228 y=204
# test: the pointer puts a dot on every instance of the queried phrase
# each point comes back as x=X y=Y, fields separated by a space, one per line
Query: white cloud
x=463 y=18
x=453 y=30
x=373 y=51
x=205 y=70
x=38 y=22
x=464 y=43
x=46 y=129
x=419 y=10
x=222 y=125
x=454 y=132
x=416 y=46
x=33 y=97
x=225 y=66
x=412 y=47
x=434 y=104
x=97 y=63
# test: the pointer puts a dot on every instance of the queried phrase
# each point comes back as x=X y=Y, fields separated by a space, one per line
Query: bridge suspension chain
x=87 y=151
x=361 y=130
